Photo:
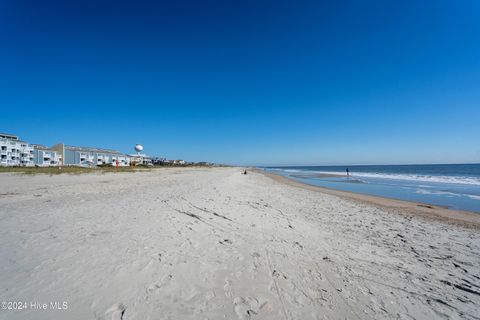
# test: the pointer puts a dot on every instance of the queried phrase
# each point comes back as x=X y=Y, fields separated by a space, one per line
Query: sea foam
x=409 y=177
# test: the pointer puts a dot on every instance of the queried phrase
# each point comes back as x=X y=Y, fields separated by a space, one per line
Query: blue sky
x=247 y=82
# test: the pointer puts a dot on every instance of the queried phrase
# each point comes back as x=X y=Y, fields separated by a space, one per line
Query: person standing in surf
x=348 y=173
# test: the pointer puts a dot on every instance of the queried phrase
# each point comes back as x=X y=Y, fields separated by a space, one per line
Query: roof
x=39 y=146
x=90 y=149
x=15 y=140
x=8 y=136
x=139 y=155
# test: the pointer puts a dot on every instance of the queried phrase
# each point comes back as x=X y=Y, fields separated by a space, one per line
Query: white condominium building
x=14 y=152
x=46 y=157
x=87 y=156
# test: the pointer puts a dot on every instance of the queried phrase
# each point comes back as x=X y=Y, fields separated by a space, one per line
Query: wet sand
x=464 y=218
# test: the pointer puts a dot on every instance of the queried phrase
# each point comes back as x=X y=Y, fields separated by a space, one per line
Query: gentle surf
x=455 y=186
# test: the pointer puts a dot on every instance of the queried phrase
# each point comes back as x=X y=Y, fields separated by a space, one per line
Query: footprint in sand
x=157 y=286
x=298 y=245
x=246 y=307
x=228 y=288
x=225 y=241
x=115 y=312
x=256 y=260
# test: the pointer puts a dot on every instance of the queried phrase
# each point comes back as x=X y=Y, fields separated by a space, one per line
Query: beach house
x=179 y=162
x=138 y=159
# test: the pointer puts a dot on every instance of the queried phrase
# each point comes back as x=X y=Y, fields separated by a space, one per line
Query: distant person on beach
x=245 y=172
x=348 y=173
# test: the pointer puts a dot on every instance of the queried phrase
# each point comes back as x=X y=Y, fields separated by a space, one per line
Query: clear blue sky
x=247 y=82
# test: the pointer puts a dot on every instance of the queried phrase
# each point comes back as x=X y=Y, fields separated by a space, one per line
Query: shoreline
x=459 y=217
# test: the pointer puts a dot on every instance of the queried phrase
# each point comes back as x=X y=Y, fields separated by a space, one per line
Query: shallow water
x=455 y=186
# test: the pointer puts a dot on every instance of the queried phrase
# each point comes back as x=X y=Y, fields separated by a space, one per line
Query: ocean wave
x=409 y=177
x=448 y=194
x=287 y=170
x=424 y=178
x=440 y=193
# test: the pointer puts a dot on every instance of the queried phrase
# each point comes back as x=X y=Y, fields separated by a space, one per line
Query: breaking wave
x=413 y=177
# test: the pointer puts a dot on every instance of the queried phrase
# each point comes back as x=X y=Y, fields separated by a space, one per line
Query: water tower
x=138 y=148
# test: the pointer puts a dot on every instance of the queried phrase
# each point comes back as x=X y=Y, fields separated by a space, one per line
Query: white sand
x=216 y=244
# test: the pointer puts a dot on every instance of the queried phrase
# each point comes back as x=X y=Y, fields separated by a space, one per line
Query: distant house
x=158 y=161
x=139 y=159
x=172 y=162
x=15 y=152
x=88 y=156
x=46 y=157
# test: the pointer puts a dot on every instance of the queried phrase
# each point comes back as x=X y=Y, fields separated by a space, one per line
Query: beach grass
x=99 y=169
x=67 y=169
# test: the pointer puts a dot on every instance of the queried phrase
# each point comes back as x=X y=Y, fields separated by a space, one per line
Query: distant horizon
x=257 y=82
x=360 y=165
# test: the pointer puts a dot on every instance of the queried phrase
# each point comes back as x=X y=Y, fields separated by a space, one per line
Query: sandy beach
x=186 y=243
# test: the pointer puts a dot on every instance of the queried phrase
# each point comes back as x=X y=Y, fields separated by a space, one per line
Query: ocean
x=455 y=186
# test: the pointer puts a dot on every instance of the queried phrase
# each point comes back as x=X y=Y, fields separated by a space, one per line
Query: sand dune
x=216 y=244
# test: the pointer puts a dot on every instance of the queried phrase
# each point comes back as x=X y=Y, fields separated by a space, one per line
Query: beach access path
x=212 y=243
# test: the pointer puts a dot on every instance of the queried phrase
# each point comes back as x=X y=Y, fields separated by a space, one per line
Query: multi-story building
x=15 y=152
x=45 y=157
x=86 y=156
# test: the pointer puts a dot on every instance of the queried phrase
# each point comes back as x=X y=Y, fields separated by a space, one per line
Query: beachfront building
x=124 y=160
x=91 y=157
x=139 y=159
x=179 y=162
x=46 y=157
x=15 y=152
x=174 y=162
x=158 y=161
